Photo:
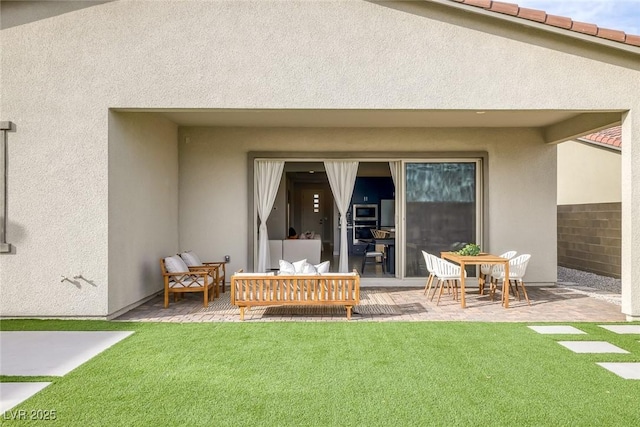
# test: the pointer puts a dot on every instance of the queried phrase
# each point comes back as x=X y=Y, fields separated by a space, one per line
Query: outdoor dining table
x=482 y=258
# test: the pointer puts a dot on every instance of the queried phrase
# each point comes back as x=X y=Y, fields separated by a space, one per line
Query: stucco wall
x=214 y=163
x=61 y=75
x=143 y=204
x=588 y=174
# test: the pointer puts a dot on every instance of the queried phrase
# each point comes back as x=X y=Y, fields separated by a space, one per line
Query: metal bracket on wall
x=5 y=127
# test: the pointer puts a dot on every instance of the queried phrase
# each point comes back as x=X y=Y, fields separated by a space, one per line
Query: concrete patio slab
x=559 y=329
x=591 y=347
x=11 y=394
x=628 y=371
x=622 y=329
x=51 y=353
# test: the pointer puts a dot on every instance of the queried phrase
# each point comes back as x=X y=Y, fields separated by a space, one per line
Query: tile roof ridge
x=563 y=22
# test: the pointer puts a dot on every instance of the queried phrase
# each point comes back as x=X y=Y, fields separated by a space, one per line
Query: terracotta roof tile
x=553 y=20
x=631 y=39
x=533 y=14
x=611 y=137
x=615 y=35
x=583 y=27
x=559 y=21
x=501 y=7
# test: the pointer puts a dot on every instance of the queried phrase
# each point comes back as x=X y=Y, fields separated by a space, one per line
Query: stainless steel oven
x=368 y=212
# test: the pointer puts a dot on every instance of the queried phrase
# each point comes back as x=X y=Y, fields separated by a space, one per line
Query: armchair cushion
x=190 y=258
x=175 y=264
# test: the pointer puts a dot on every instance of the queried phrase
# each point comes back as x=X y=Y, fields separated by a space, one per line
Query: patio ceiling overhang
x=555 y=125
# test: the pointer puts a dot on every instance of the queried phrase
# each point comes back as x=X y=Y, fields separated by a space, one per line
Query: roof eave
x=540 y=26
x=600 y=145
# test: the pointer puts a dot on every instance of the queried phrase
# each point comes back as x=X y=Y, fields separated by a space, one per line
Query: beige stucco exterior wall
x=61 y=75
x=631 y=215
x=588 y=174
x=143 y=204
x=214 y=162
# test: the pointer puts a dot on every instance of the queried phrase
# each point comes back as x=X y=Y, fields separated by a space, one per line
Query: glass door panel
x=440 y=210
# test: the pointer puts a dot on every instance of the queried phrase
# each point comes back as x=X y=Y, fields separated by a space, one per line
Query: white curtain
x=393 y=167
x=342 y=178
x=267 y=180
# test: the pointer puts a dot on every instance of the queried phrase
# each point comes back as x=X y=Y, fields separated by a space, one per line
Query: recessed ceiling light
x=480 y=112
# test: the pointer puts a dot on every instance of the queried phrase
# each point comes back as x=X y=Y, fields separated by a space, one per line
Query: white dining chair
x=447 y=272
x=486 y=271
x=431 y=270
x=517 y=270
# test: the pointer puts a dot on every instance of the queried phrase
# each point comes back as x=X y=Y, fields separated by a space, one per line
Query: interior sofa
x=294 y=250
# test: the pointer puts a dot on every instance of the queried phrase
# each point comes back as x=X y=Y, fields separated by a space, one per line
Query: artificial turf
x=338 y=374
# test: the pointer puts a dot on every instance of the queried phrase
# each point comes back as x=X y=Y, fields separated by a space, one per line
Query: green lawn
x=339 y=374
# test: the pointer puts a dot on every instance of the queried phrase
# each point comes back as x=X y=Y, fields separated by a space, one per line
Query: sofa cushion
x=308 y=269
x=254 y=274
x=323 y=267
x=298 y=265
x=286 y=267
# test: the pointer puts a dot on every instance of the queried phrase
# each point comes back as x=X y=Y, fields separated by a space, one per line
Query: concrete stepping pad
x=11 y=394
x=628 y=371
x=559 y=329
x=51 y=353
x=622 y=329
x=591 y=347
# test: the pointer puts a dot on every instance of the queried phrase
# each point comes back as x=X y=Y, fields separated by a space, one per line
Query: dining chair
x=486 y=269
x=380 y=234
x=447 y=272
x=517 y=270
x=431 y=270
x=372 y=253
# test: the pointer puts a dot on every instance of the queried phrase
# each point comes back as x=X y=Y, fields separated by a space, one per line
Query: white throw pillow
x=190 y=258
x=299 y=264
x=286 y=267
x=175 y=264
x=323 y=267
x=308 y=269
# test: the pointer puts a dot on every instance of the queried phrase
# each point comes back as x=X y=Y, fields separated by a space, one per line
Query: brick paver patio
x=548 y=304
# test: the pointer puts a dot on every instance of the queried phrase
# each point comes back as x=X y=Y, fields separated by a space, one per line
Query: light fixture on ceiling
x=480 y=112
x=312 y=171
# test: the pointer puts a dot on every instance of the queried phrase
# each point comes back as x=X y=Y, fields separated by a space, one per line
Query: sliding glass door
x=441 y=209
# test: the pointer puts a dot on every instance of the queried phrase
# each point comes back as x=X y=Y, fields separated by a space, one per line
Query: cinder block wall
x=589 y=237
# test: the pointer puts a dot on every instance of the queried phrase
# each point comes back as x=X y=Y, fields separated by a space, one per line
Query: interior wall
x=143 y=204
x=327 y=206
x=522 y=205
x=277 y=222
